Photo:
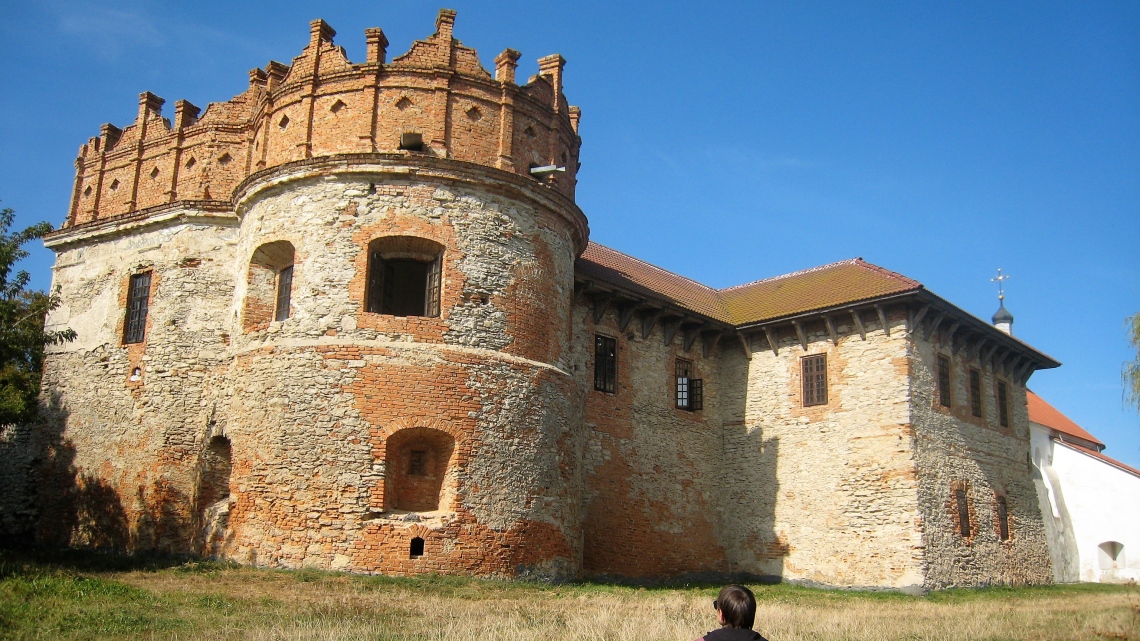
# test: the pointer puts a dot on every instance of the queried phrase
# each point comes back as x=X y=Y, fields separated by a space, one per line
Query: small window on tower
x=963 y=505
x=404 y=276
x=943 y=381
x=605 y=363
x=138 y=303
x=284 y=293
x=1003 y=518
x=689 y=390
x=975 y=392
x=814 y=379
x=1003 y=404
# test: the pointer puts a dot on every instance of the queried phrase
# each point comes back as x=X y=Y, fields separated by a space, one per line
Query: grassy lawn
x=75 y=595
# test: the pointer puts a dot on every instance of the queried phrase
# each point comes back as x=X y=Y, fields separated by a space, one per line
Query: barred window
x=815 y=379
x=605 y=363
x=963 y=512
x=943 y=381
x=1003 y=518
x=404 y=276
x=690 y=391
x=138 y=302
x=1003 y=404
x=284 y=293
x=975 y=392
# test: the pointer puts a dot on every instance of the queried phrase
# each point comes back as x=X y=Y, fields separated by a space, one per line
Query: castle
x=351 y=319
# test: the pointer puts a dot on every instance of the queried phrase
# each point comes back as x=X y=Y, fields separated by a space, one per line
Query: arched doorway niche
x=419 y=467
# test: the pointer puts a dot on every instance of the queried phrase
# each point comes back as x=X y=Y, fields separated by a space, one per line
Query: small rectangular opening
x=411 y=141
x=943 y=381
x=417 y=463
x=416 y=549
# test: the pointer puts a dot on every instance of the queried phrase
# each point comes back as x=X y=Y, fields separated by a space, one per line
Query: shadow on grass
x=16 y=561
x=27 y=562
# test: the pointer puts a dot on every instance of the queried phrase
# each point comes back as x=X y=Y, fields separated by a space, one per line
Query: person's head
x=737 y=606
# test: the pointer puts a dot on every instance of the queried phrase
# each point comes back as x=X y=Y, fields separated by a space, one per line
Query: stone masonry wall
x=955 y=449
x=125 y=424
x=310 y=404
x=650 y=469
x=825 y=494
x=316 y=398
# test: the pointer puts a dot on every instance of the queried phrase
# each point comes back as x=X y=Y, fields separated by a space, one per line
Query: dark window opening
x=1003 y=518
x=417 y=463
x=698 y=394
x=284 y=293
x=975 y=392
x=605 y=363
x=815 y=379
x=403 y=286
x=416 y=549
x=410 y=141
x=963 y=512
x=138 y=302
x=943 y=381
x=1003 y=409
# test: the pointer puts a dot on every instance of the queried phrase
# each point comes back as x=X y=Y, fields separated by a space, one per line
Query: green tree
x=1131 y=373
x=22 y=335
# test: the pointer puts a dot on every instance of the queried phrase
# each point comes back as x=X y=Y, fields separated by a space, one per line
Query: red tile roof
x=847 y=281
x=1097 y=455
x=1045 y=414
x=831 y=285
x=611 y=266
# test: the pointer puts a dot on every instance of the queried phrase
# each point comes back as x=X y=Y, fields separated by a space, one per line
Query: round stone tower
x=387 y=386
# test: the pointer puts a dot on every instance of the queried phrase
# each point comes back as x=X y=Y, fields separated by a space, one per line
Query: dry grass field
x=85 y=596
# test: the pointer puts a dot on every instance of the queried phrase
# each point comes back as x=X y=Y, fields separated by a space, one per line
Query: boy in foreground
x=736 y=611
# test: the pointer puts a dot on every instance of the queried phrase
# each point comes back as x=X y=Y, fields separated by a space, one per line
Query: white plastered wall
x=1092 y=503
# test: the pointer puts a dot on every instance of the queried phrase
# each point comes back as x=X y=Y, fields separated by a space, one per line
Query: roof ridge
x=849 y=261
x=712 y=290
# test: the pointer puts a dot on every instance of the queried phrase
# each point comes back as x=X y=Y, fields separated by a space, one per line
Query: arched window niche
x=213 y=496
x=417 y=464
x=214 y=478
x=269 y=285
x=404 y=276
x=1110 y=555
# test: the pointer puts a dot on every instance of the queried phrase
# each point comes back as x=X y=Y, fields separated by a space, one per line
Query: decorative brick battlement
x=323 y=105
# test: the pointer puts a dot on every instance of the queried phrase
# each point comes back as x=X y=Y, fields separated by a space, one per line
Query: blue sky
x=726 y=141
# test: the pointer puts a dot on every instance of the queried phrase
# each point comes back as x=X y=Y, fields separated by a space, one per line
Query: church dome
x=1002 y=315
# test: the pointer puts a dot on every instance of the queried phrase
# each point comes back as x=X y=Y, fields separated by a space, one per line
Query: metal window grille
x=1003 y=405
x=138 y=301
x=943 y=381
x=605 y=363
x=815 y=379
x=375 y=294
x=417 y=463
x=1003 y=518
x=684 y=372
x=431 y=297
x=391 y=284
x=284 y=293
x=975 y=392
x=963 y=512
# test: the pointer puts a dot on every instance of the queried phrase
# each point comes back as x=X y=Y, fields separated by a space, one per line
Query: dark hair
x=738 y=605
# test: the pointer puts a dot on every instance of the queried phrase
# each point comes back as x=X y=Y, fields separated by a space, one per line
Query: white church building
x=1090 y=503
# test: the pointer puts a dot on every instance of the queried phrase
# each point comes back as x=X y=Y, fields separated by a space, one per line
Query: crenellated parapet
x=436 y=100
